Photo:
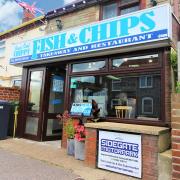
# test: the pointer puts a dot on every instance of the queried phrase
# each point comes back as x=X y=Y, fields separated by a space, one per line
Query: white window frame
x=3 y=46
x=147 y=98
x=146 y=85
x=15 y=80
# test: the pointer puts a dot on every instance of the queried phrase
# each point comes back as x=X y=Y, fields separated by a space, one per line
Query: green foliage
x=178 y=87
x=69 y=128
x=173 y=59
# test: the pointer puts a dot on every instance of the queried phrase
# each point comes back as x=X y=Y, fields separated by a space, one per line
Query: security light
x=153 y=2
x=59 y=24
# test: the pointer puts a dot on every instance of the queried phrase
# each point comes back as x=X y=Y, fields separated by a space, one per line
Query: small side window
x=16 y=83
x=2 y=48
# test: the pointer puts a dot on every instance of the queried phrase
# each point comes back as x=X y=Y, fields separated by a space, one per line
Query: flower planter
x=79 y=149
x=70 y=147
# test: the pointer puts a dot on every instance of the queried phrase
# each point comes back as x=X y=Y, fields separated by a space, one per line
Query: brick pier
x=176 y=136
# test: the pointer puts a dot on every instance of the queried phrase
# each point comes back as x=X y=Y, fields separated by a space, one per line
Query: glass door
x=33 y=110
x=55 y=88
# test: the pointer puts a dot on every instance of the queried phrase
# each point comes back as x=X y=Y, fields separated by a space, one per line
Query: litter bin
x=5 y=110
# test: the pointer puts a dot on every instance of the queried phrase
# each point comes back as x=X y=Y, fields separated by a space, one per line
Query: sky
x=11 y=12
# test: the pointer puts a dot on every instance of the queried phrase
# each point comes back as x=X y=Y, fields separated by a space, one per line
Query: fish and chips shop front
x=123 y=65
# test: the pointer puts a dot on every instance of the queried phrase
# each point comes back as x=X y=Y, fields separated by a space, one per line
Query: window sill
x=138 y=121
x=141 y=121
x=132 y=128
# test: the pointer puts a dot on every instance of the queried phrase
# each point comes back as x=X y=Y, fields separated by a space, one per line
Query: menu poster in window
x=81 y=109
x=78 y=96
x=120 y=152
x=58 y=84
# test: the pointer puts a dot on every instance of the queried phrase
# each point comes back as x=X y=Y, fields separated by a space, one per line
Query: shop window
x=89 y=66
x=119 y=7
x=111 y=90
x=146 y=82
x=147 y=105
x=135 y=62
x=2 y=48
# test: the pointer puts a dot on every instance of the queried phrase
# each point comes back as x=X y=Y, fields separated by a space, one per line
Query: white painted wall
x=7 y=71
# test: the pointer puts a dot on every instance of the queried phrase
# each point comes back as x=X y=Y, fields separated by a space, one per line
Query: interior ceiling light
x=112 y=77
x=59 y=24
x=150 y=60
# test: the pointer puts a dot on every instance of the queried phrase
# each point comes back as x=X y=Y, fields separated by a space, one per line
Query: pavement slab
x=19 y=167
x=56 y=156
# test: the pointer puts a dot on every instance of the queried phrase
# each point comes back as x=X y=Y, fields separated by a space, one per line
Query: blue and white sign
x=120 y=152
x=58 y=84
x=81 y=109
x=153 y=24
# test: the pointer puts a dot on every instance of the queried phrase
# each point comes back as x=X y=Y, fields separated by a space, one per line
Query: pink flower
x=80 y=132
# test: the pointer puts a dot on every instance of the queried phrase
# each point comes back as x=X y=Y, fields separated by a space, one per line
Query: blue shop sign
x=153 y=24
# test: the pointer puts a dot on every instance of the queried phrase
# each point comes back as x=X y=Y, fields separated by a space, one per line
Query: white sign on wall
x=120 y=152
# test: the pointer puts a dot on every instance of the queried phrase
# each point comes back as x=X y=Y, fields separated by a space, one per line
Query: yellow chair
x=121 y=111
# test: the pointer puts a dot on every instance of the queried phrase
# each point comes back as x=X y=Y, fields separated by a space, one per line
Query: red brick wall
x=176 y=8
x=176 y=136
x=167 y=88
x=175 y=31
x=9 y=94
x=91 y=147
x=149 y=157
x=143 y=4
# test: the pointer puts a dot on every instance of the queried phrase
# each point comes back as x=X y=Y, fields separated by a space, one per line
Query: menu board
x=58 y=84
